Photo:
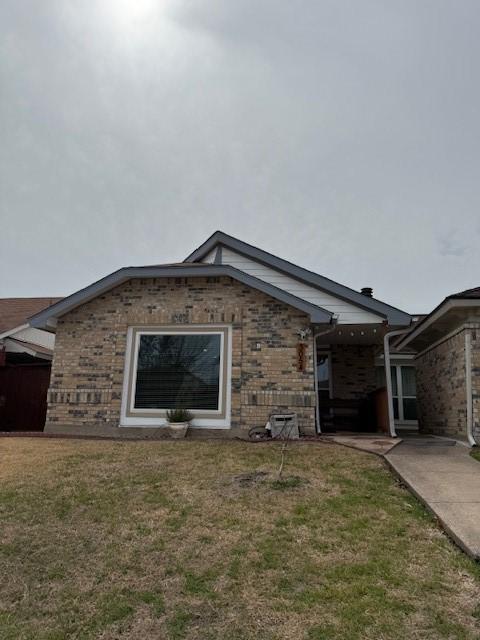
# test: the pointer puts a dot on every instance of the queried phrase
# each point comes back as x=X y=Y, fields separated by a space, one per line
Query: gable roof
x=468 y=294
x=394 y=316
x=15 y=311
x=456 y=303
x=46 y=319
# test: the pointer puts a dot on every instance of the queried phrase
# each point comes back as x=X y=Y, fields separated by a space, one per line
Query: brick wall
x=441 y=392
x=353 y=371
x=475 y=332
x=88 y=365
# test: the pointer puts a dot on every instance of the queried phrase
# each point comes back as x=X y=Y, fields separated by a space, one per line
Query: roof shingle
x=468 y=293
x=15 y=311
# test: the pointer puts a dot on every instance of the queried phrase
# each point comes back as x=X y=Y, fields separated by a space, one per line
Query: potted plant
x=178 y=421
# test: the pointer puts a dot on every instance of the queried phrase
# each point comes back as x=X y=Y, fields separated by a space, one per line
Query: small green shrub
x=179 y=415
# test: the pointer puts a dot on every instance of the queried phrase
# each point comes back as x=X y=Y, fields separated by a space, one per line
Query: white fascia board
x=454 y=303
x=35 y=336
x=12 y=346
x=11 y=332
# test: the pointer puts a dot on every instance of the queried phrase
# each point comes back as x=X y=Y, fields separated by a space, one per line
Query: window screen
x=180 y=370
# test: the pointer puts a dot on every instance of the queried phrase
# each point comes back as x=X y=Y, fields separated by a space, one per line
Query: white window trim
x=213 y=422
x=400 y=396
x=172 y=332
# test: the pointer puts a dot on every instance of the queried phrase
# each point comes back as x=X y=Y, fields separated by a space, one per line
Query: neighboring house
x=25 y=360
x=232 y=333
x=447 y=346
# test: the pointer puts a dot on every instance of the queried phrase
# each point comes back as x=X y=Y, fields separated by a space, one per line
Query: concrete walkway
x=371 y=442
x=446 y=479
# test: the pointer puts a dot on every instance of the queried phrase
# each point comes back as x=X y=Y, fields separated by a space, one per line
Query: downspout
x=468 y=387
x=315 y=336
x=388 y=377
x=315 y=384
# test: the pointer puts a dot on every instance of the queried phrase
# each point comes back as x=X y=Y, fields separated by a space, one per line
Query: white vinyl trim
x=10 y=332
x=348 y=313
x=213 y=422
x=12 y=346
x=133 y=381
x=400 y=395
x=388 y=378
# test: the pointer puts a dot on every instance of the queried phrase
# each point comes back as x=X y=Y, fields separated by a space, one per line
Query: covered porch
x=354 y=394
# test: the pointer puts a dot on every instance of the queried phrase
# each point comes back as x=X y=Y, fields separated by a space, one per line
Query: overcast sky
x=341 y=135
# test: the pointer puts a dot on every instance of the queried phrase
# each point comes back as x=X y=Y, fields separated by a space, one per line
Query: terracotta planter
x=178 y=429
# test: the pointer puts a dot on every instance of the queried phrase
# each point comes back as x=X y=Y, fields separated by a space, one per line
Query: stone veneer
x=88 y=365
x=441 y=388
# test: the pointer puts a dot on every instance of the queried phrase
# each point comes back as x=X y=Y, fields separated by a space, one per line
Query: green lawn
x=117 y=540
x=475 y=453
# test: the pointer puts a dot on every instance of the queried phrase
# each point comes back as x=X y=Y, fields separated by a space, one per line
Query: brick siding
x=441 y=391
x=476 y=382
x=88 y=365
x=353 y=371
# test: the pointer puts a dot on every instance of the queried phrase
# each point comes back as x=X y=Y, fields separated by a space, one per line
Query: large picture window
x=177 y=368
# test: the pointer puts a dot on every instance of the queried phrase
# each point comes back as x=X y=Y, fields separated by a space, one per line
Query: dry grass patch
x=118 y=540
